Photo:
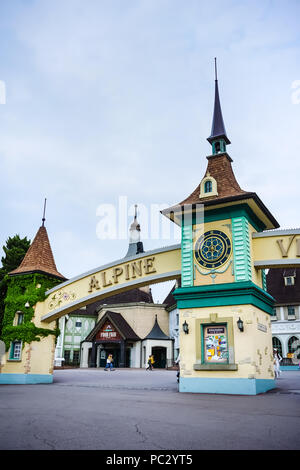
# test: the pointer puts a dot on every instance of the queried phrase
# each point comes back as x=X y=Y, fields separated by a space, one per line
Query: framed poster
x=215 y=343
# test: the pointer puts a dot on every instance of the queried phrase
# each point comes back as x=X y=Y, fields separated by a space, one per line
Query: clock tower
x=226 y=345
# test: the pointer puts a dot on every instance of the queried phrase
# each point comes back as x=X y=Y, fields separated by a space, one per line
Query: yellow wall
x=252 y=347
x=268 y=249
x=141 y=318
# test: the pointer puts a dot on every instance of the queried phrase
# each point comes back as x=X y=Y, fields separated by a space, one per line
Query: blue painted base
x=26 y=379
x=290 y=368
x=226 y=386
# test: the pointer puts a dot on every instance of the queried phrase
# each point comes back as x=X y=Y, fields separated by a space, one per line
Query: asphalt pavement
x=135 y=409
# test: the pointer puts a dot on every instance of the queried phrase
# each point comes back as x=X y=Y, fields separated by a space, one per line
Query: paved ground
x=137 y=410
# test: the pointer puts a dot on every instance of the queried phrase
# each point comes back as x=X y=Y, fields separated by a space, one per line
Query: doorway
x=160 y=357
x=104 y=353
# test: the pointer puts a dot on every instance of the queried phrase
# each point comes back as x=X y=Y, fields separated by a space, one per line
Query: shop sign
x=108 y=333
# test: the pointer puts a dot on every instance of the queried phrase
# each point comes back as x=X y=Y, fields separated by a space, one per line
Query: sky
x=107 y=104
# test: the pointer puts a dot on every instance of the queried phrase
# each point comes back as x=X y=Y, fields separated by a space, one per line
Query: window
x=76 y=357
x=289 y=280
x=20 y=318
x=274 y=315
x=218 y=147
x=291 y=313
x=177 y=319
x=277 y=345
x=78 y=324
x=208 y=186
x=293 y=345
x=67 y=357
x=15 y=351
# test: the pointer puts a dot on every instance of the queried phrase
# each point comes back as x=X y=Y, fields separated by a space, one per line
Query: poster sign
x=215 y=344
x=108 y=333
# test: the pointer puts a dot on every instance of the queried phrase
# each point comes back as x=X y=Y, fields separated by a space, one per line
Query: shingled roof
x=156 y=332
x=284 y=295
x=131 y=296
x=119 y=323
x=219 y=167
x=39 y=257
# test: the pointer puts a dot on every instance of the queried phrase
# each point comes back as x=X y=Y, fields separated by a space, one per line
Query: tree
x=14 y=250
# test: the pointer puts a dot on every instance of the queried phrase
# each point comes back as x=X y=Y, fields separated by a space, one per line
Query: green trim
x=230 y=212
x=219 y=295
x=222 y=148
x=241 y=249
x=264 y=279
x=187 y=256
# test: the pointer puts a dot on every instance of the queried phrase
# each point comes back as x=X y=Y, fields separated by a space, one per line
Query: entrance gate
x=271 y=249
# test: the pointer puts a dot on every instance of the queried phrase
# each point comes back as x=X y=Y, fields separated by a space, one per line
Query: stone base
x=26 y=379
x=226 y=386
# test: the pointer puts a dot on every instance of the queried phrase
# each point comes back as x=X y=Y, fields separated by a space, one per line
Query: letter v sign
x=284 y=252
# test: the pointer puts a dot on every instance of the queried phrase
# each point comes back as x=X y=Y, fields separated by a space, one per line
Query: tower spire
x=135 y=244
x=44 y=213
x=218 y=137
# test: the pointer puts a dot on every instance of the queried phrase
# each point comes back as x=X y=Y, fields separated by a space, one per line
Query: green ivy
x=21 y=289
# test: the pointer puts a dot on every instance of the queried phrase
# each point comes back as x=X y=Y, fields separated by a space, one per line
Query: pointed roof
x=39 y=257
x=220 y=168
x=218 y=127
x=119 y=323
x=135 y=245
x=156 y=332
x=170 y=301
x=228 y=191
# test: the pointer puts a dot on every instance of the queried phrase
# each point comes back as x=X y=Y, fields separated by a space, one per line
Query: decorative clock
x=212 y=249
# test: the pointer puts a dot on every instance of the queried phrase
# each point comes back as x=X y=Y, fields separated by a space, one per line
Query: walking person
x=150 y=362
x=277 y=360
x=109 y=363
x=178 y=365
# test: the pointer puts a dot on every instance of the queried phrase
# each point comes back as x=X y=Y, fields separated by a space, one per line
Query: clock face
x=212 y=249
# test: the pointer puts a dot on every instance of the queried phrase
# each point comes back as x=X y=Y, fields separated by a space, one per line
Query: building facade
x=130 y=327
x=284 y=286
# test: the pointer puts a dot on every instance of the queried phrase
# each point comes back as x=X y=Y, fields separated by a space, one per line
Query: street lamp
x=185 y=327
x=240 y=324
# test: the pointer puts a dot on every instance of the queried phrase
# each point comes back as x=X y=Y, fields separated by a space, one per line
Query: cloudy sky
x=109 y=103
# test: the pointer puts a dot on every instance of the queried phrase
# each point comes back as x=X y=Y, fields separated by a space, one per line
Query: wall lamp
x=240 y=324
x=185 y=327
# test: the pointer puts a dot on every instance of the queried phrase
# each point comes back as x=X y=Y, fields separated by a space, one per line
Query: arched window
x=294 y=345
x=208 y=186
x=277 y=345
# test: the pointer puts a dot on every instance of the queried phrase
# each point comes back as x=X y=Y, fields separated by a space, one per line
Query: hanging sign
x=108 y=333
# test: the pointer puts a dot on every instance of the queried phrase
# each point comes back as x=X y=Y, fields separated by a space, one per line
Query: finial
x=218 y=138
x=43 y=219
x=216 y=70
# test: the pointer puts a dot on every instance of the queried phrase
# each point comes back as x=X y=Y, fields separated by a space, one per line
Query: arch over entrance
x=122 y=275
